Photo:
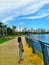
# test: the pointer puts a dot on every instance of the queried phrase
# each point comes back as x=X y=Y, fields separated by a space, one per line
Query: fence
x=40 y=48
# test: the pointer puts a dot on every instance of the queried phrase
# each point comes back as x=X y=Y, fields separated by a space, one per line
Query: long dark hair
x=19 y=39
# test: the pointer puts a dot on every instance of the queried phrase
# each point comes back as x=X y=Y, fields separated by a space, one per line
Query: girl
x=21 y=50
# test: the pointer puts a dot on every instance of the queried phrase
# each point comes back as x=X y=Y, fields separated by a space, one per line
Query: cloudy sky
x=28 y=13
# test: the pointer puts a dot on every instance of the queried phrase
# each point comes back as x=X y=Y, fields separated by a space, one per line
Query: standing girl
x=21 y=49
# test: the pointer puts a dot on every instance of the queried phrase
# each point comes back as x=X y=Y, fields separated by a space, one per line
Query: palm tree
x=1 y=24
x=14 y=29
x=1 y=28
x=5 y=29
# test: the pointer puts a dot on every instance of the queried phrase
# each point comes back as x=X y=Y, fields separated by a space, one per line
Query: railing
x=40 y=48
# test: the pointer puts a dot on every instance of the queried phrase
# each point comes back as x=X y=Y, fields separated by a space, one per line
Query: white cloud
x=11 y=7
x=15 y=8
x=11 y=4
x=7 y=19
x=34 y=7
x=35 y=17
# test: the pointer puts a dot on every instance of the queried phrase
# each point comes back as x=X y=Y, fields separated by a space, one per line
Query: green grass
x=2 y=40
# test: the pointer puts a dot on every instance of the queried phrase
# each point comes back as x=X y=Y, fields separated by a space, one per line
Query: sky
x=26 y=13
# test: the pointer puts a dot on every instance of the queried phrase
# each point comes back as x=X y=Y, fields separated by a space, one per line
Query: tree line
x=4 y=30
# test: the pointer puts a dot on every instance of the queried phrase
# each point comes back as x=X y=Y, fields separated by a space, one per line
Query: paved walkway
x=9 y=54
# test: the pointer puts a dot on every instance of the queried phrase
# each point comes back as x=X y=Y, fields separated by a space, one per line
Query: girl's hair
x=19 y=39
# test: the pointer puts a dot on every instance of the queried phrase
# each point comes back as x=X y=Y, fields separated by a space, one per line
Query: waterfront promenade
x=9 y=54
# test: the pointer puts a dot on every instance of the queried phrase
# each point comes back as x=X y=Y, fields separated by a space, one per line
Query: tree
x=1 y=29
x=9 y=31
x=5 y=29
x=14 y=29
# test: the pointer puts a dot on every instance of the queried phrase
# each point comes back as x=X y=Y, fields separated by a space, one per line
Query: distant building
x=40 y=30
x=47 y=30
x=32 y=30
x=24 y=30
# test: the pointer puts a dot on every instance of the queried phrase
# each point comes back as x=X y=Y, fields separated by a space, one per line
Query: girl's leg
x=20 y=56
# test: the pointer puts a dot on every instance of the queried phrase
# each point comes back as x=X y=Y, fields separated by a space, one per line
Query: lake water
x=37 y=46
x=41 y=37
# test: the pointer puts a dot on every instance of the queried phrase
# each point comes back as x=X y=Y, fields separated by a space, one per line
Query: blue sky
x=28 y=13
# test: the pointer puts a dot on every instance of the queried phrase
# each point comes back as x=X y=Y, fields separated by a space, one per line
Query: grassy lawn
x=2 y=40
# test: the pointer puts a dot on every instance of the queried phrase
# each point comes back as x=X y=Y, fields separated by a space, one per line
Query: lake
x=37 y=46
x=41 y=37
